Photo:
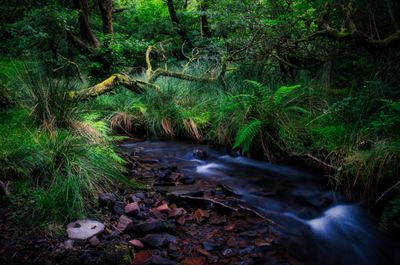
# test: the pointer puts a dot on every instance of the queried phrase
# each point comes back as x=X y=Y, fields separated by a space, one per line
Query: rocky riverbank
x=178 y=220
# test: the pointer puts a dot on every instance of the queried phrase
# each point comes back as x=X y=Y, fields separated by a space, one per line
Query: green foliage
x=246 y=135
x=48 y=100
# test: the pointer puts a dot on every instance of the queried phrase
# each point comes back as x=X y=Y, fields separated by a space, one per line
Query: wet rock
x=200 y=215
x=123 y=223
x=173 y=168
x=163 y=208
x=231 y=242
x=246 y=250
x=143 y=257
x=203 y=252
x=132 y=208
x=200 y=154
x=158 y=240
x=181 y=220
x=229 y=252
x=194 y=261
x=94 y=241
x=187 y=180
x=217 y=220
x=140 y=195
x=172 y=246
x=136 y=243
x=154 y=226
x=134 y=198
x=176 y=212
x=165 y=174
x=230 y=227
x=84 y=229
x=210 y=246
x=262 y=243
x=162 y=261
x=118 y=208
x=107 y=199
x=212 y=259
x=242 y=244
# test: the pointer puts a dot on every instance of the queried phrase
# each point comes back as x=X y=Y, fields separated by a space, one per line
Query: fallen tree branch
x=203 y=199
x=257 y=214
x=108 y=84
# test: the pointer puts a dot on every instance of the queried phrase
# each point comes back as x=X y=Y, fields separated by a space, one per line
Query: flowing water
x=317 y=227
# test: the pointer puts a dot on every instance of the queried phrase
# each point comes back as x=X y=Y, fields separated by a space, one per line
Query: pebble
x=132 y=208
x=123 y=223
x=187 y=180
x=84 y=229
x=94 y=241
x=136 y=243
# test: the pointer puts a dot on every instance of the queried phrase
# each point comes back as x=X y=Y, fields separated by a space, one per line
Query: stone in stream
x=158 y=240
x=164 y=174
x=187 y=180
x=200 y=154
x=84 y=229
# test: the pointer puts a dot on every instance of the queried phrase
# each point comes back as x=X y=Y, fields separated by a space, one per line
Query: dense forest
x=310 y=84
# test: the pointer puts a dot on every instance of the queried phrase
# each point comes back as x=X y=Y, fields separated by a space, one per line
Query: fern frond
x=282 y=92
x=246 y=135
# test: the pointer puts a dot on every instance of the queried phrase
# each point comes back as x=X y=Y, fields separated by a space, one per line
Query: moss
x=115 y=253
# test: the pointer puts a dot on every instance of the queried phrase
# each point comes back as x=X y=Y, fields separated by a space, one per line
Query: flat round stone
x=84 y=229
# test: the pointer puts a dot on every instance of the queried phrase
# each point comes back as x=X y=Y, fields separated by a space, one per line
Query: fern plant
x=246 y=135
x=266 y=113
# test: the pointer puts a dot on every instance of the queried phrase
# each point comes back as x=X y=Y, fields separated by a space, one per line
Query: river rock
x=158 y=240
x=187 y=180
x=153 y=226
x=136 y=243
x=132 y=208
x=107 y=199
x=84 y=229
x=163 y=208
x=118 y=208
x=194 y=261
x=69 y=244
x=123 y=223
x=200 y=154
x=162 y=261
x=94 y=241
x=229 y=252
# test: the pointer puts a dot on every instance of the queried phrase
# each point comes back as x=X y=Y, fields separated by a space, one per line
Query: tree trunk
x=106 y=16
x=175 y=21
x=204 y=27
x=86 y=31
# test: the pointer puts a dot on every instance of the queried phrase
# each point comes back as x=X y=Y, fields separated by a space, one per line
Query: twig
x=206 y=200
x=257 y=213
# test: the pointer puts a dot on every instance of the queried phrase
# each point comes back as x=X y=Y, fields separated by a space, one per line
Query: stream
x=315 y=225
